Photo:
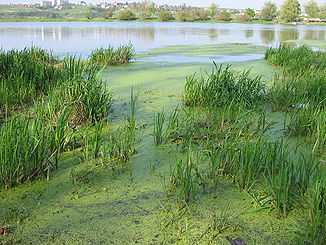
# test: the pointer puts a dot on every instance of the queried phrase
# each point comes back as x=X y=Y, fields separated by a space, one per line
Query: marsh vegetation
x=219 y=137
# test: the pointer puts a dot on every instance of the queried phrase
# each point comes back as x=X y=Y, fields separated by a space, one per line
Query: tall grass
x=297 y=60
x=28 y=149
x=185 y=176
x=68 y=95
x=26 y=74
x=82 y=91
x=304 y=75
x=158 y=130
x=222 y=86
x=111 y=56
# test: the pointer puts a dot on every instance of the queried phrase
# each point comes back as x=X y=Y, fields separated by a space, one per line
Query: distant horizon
x=256 y=4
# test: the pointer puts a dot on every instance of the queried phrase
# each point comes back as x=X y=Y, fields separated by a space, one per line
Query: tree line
x=289 y=11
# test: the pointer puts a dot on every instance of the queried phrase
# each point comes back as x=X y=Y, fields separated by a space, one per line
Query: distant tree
x=146 y=9
x=269 y=11
x=126 y=15
x=165 y=16
x=290 y=10
x=90 y=15
x=224 y=15
x=250 y=12
x=203 y=14
x=312 y=10
x=322 y=12
x=244 y=17
x=213 y=10
x=184 y=15
x=108 y=15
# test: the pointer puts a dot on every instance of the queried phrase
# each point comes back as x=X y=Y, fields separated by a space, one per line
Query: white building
x=59 y=2
x=46 y=3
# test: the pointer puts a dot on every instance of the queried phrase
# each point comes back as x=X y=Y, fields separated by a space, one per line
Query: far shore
x=156 y=20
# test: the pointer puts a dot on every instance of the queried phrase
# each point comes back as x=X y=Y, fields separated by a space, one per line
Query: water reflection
x=82 y=37
x=314 y=35
x=288 y=34
x=249 y=33
x=267 y=36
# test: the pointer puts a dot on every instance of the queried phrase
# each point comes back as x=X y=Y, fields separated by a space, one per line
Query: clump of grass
x=120 y=146
x=303 y=80
x=25 y=75
x=111 y=56
x=295 y=59
x=312 y=229
x=159 y=120
x=28 y=149
x=185 y=177
x=82 y=91
x=93 y=141
x=222 y=86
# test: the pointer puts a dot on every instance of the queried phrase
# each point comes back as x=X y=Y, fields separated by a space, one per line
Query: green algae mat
x=130 y=205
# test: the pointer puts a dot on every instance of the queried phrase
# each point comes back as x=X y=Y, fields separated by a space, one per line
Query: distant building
x=46 y=3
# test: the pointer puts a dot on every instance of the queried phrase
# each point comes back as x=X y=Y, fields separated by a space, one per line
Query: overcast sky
x=257 y=4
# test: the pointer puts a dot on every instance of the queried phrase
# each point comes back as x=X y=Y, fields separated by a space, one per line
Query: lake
x=82 y=37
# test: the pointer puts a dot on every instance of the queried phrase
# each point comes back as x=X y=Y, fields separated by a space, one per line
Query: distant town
x=290 y=12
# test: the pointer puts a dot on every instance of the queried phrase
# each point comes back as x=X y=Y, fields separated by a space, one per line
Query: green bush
x=165 y=16
x=126 y=15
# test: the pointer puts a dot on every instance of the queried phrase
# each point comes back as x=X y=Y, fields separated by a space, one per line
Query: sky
x=256 y=4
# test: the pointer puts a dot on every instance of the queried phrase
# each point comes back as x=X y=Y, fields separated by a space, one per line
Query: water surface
x=82 y=37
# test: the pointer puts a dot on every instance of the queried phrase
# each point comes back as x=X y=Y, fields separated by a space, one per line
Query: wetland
x=162 y=133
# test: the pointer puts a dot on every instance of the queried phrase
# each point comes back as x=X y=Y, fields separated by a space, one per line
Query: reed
x=158 y=130
x=27 y=149
x=82 y=91
x=313 y=229
x=185 y=176
x=296 y=59
x=110 y=56
x=222 y=86
x=25 y=75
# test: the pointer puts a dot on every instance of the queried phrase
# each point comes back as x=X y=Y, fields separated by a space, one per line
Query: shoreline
x=157 y=20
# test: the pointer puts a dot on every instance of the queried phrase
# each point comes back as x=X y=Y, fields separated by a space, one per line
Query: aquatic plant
x=25 y=75
x=311 y=229
x=82 y=91
x=296 y=59
x=222 y=87
x=159 y=119
x=92 y=141
x=185 y=176
x=110 y=56
x=27 y=149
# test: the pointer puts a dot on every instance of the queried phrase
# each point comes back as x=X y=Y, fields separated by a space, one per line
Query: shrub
x=244 y=17
x=126 y=15
x=165 y=16
x=224 y=15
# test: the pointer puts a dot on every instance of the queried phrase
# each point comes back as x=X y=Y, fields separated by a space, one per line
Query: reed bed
x=66 y=95
x=312 y=229
x=296 y=59
x=111 y=56
x=29 y=149
x=222 y=87
x=82 y=91
x=26 y=74
x=304 y=76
